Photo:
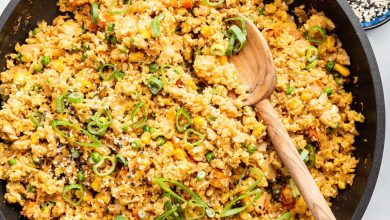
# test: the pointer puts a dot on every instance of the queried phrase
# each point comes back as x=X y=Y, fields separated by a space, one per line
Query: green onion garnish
x=72 y=189
x=137 y=108
x=311 y=57
x=217 y=49
x=213 y=4
x=304 y=155
x=193 y=206
x=228 y=210
x=257 y=172
x=95 y=157
x=121 y=159
x=285 y=216
x=56 y=124
x=75 y=97
x=330 y=66
x=12 y=162
x=312 y=150
x=156 y=29
x=94 y=129
x=155 y=85
x=136 y=145
x=153 y=68
x=316 y=35
x=181 y=127
x=328 y=91
x=251 y=149
x=80 y=176
x=114 y=74
x=75 y=154
x=160 y=140
x=199 y=136
x=161 y=182
x=60 y=103
x=45 y=60
x=201 y=175
x=94 y=12
x=111 y=169
x=210 y=156
x=120 y=217
x=103 y=118
x=37 y=118
x=294 y=188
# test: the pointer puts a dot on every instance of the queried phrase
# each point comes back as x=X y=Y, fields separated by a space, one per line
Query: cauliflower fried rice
x=132 y=110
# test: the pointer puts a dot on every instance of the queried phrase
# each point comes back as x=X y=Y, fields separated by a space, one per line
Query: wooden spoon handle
x=292 y=160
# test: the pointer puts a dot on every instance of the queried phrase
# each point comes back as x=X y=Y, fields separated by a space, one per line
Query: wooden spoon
x=257 y=70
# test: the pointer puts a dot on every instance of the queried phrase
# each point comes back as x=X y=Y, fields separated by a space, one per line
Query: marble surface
x=378 y=208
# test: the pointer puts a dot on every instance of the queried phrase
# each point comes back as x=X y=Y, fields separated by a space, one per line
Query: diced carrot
x=187 y=3
x=220 y=179
x=76 y=3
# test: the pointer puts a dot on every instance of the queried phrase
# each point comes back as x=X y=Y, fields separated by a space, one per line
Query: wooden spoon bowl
x=257 y=70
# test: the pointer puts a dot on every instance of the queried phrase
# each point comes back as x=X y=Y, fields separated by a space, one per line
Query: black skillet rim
x=379 y=100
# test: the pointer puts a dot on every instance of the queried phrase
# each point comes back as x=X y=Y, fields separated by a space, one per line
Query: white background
x=379 y=208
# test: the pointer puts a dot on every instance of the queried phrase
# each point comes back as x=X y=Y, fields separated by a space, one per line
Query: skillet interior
x=21 y=16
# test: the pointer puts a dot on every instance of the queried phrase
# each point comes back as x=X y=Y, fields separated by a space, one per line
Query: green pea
x=45 y=60
x=160 y=140
x=111 y=27
x=146 y=128
x=251 y=149
x=12 y=162
x=330 y=66
x=36 y=31
x=120 y=217
x=290 y=90
x=80 y=176
x=96 y=157
x=121 y=159
x=136 y=145
x=37 y=67
x=153 y=68
x=328 y=91
x=75 y=153
x=210 y=156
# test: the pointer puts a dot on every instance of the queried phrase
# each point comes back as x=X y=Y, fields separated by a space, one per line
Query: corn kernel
x=199 y=122
x=145 y=33
x=168 y=148
x=258 y=130
x=103 y=198
x=20 y=78
x=136 y=57
x=58 y=65
x=341 y=184
x=293 y=104
x=146 y=138
x=206 y=31
x=87 y=196
x=34 y=138
x=86 y=86
x=95 y=185
x=330 y=43
x=223 y=60
x=342 y=70
x=270 y=8
x=179 y=154
x=306 y=96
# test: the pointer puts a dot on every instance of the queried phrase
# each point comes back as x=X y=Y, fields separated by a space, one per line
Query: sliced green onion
x=294 y=188
x=201 y=175
x=311 y=54
x=37 y=67
x=251 y=149
x=75 y=97
x=141 y=214
x=217 y=49
x=156 y=28
x=316 y=35
x=193 y=205
x=180 y=127
x=103 y=118
x=285 y=216
x=304 y=155
x=37 y=118
x=160 y=140
x=60 y=103
x=121 y=159
x=210 y=213
x=136 y=109
x=114 y=74
x=96 y=157
x=120 y=217
x=243 y=24
x=312 y=150
x=73 y=188
x=111 y=169
x=253 y=185
x=229 y=211
x=330 y=66
x=161 y=183
x=36 y=31
x=80 y=176
x=312 y=65
x=121 y=11
x=94 y=12
x=210 y=156
x=57 y=123
x=235 y=34
x=213 y=4
x=166 y=214
x=75 y=153
x=290 y=90
x=187 y=135
x=12 y=162
x=94 y=129
x=155 y=85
